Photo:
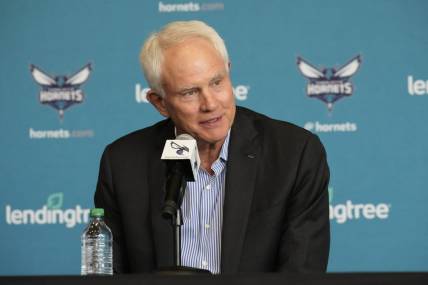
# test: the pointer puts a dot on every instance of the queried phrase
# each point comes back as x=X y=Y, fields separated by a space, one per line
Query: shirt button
x=204 y=263
x=207 y=226
x=208 y=187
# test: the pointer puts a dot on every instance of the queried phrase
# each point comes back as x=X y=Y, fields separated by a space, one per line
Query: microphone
x=182 y=158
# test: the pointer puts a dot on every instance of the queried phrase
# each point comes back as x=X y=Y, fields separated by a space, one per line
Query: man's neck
x=208 y=154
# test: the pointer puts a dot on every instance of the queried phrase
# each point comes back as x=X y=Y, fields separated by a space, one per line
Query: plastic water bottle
x=97 y=246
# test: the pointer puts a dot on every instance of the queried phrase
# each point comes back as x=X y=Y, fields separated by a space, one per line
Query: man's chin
x=212 y=140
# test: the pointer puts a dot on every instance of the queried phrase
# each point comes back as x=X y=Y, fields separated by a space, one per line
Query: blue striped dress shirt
x=202 y=211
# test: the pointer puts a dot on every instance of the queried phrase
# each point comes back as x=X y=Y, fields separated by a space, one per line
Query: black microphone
x=182 y=158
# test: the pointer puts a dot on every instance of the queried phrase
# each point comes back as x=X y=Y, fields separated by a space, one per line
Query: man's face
x=198 y=92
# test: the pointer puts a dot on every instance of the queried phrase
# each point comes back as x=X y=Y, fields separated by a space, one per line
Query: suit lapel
x=162 y=230
x=240 y=182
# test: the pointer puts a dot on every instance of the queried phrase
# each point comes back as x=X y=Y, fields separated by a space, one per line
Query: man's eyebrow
x=187 y=88
x=217 y=77
x=184 y=89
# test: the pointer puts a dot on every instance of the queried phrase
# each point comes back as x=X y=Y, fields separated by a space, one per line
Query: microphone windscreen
x=184 y=150
x=184 y=137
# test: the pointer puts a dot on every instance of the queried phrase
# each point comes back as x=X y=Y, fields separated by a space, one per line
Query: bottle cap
x=97 y=212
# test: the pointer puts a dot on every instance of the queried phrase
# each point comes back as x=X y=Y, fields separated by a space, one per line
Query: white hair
x=174 y=33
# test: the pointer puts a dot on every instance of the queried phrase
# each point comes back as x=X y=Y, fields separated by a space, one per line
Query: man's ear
x=158 y=102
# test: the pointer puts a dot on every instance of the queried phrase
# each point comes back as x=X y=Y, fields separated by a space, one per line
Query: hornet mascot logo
x=328 y=84
x=61 y=92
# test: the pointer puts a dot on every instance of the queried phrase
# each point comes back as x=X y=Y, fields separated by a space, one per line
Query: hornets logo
x=61 y=92
x=329 y=84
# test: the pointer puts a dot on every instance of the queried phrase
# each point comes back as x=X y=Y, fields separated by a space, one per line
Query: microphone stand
x=176 y=223
x=172 y=211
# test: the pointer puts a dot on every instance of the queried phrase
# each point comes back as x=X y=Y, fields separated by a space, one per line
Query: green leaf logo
x=55 y=200
x=330 y=194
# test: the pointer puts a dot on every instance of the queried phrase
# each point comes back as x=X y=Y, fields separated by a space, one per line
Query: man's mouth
x=211 y=121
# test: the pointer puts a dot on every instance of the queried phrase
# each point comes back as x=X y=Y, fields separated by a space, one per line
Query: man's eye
x=217 y=82
x=189 y=93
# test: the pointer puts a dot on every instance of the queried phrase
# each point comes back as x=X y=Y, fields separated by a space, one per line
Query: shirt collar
x=225 y=147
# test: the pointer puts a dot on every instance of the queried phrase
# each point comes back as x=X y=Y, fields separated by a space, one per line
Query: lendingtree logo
x=344 y=212
x=51 y=213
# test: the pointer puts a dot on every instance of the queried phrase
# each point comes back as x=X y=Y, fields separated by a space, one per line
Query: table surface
x=250 y=279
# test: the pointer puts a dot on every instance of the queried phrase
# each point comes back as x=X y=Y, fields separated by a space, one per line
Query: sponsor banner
x=59 y=134
x=289 y=63
x=350 y=211
x=49 y=214
x=329 y=85
x=318 y=127
x=186 y=7
x=417 y=87
x=60 y=92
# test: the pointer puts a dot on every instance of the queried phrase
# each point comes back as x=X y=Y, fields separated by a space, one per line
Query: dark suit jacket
x=276 y=200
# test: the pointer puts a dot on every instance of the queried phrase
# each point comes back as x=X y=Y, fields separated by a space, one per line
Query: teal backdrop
x=376 y=135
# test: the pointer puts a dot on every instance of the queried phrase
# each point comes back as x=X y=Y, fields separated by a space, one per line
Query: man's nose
x=208 y=101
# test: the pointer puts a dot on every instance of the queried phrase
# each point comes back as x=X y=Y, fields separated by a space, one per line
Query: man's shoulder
x=273 y=127
x=280 y=139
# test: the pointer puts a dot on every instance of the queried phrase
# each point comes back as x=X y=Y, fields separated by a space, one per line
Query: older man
x=260 y=202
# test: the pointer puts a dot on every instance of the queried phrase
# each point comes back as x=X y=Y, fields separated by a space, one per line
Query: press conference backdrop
x=353 y=72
